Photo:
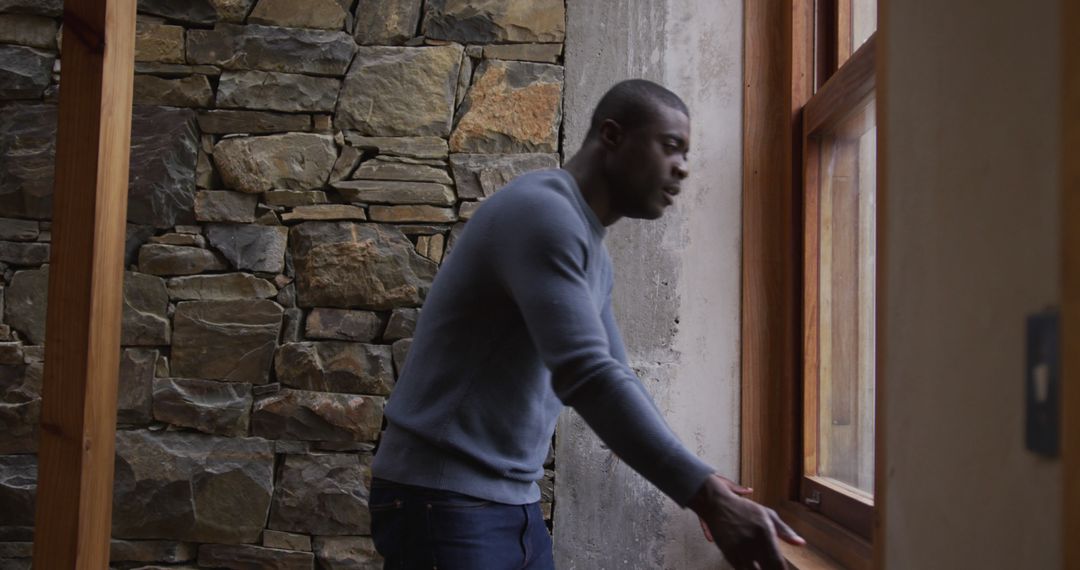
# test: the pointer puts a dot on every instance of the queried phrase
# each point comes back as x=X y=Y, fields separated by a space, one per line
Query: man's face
x=648 y=166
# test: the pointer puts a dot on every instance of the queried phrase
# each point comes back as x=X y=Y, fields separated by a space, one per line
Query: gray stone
x=386 y=170
x=396 y=192
x=250 y=247
x=268 y=48
x=317 y=416
x=135 y=386
x=346 y=163
x=191 y=487
x=512 y=107
x=487 y=21
x=274 y=91
x=27 y=30
x=321 y=494
x=319 y=14
x=334 y=366
x=225 y=340
x=233 y=11
x=210 y=406
x=402 y=324
x=22 y=253
x=169 y=260
x=540 y=53
x=265 y=389
x=18 y=230
x=292 y=198
x=25 y=301
x=164 y=150
x=286 y=540
x=191 y=91
x=291 y=329
x=386 y=22
x=371 y=100
x=20 y=407
x=158 y=42
x=366 y=266
x=412 y=147
x=205 y=174
x=11 y=353
x=225 y=206
x=135 y=237
x=251 y=122
x=166 y=551
x=342 y=324
x=174 y=70
x=401 y=352
x=325 y=212
x=145 y=311
x=286 y=296
x=24 y=72
x=18 y=485
x=27 y=148
x=199 y=12
x=16 y=533
x=50 y=8
x=16 y=550
x=296 y=161
x=401 y=214
x=224 y=287
x=466 y=210
x=464 y=77
x=186 y=240
x=248 y=557
x=347 y=553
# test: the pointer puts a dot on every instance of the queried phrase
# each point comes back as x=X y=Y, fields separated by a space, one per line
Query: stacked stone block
x=299 y=170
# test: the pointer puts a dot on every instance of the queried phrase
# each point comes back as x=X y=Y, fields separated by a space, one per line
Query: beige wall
x=972 y=228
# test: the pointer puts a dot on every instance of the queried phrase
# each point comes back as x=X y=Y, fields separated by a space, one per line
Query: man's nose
x=682 y=169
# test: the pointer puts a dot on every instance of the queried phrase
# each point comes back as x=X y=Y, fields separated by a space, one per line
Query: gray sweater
x=518 y=324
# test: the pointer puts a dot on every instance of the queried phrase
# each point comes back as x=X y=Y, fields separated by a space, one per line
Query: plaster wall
x=972 y=248
x=677 y=279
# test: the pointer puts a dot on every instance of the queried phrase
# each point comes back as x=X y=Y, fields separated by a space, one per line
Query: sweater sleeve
x=542 y=260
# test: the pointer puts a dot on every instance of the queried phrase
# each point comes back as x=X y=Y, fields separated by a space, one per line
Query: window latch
x=813 y=499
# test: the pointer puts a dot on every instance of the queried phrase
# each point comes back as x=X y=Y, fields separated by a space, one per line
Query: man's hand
x=745 y=531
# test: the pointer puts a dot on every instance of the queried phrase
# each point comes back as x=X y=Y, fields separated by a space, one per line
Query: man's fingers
x=785 y=532
x=705 y=529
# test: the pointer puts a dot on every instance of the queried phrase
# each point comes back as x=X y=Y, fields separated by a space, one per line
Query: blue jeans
x=416 y=527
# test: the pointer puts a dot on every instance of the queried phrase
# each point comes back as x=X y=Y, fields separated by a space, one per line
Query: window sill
x=806 y=558
x=829 y=545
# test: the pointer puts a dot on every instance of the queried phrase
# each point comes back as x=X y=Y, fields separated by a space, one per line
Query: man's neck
x=586 y=166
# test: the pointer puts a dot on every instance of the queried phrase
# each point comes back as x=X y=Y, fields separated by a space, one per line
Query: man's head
x=644 y=133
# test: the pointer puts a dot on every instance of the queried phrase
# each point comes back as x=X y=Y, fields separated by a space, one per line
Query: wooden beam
x=78 y=415
x=1070 y=287
x=881 y=466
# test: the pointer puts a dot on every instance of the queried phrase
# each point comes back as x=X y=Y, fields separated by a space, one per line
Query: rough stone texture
x=18 y=230
x=192 y=91
x=402 y=324
x=343 y=324
x=24 y=72
x=396 y=192
x=20 y=407
x=268 y=48
x=317 y=416
x=27 y=147
x=386 y=170
x=250 y=247
x=466 y=210
x=226 y=287
x=166 y=551
x=540 y=53
x=18 y=253
x=286 y=540
x=28 y=30
x=169 y=260
x=431 y=247
x=412 y=147
x=50 y=8
x=325 y=212
x=225 y=206
x=200 y=12
x=146 y=303
x=484 y=21
x=164 y=149
x=513 y=106
x=386 y=22
x=174 y=69
x=400 y=214
x=348 y=265
x=346 y=163
x=251 y=122
x=296 y=161
x=209 y=406
x=18 y=483
x=225 y=340
x=480 y=175
x=232 y=11
x=334 y=366
x=24 y=303
x=248 y=557
x=174 y=238
x=157 y=42
x=347 y=553
x=191 y=487
x=293 y=198
x=322 y=494
x=401 y=351
x=274 y=91
x=320 y=14
x=371 y=100
x=135 y=386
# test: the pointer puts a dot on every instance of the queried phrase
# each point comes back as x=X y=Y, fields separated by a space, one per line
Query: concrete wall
x=677 y=278
x=973 y=201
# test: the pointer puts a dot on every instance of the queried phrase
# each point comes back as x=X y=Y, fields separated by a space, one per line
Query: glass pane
x=863 y=21
x=846 y=301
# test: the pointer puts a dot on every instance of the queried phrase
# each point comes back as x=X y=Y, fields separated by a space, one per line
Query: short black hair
x=632 y=104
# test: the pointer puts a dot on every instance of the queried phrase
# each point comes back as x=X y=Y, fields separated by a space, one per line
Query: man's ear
x=611 y=133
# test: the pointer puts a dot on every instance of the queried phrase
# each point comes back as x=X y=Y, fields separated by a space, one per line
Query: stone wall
x=299 y=169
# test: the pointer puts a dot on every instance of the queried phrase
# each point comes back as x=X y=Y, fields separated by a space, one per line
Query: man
x=518 y=324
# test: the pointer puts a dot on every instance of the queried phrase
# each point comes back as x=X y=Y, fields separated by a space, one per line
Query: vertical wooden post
x=78 y=416
x=1070 y=287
